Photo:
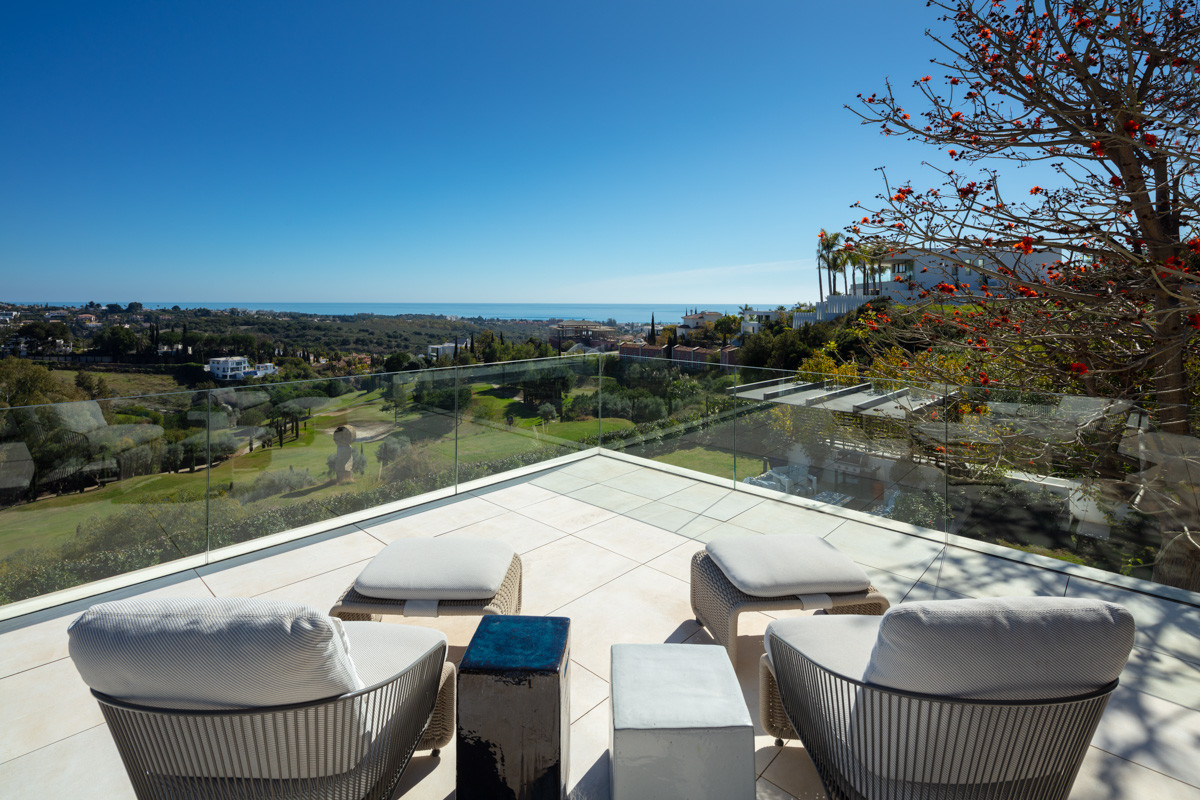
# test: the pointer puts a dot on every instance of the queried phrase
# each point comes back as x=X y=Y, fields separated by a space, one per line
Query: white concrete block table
x=681 y=728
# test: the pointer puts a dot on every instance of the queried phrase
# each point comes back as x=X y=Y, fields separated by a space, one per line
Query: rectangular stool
x=680 y=726
x=514 y=711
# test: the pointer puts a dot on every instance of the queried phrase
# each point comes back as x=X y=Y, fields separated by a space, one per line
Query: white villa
x=754 y=318
x=907 y=273
x=236 y=368
x=447 y=349
x=698 y=320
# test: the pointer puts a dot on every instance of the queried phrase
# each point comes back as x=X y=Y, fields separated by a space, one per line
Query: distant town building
x=448 y=349
x=699 y=319
x=753 y=319
x=580 y=331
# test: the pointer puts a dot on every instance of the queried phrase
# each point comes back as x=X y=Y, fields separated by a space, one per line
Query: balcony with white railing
x=606 y=475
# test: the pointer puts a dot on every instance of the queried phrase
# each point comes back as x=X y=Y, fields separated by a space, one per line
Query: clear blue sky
x=599 y=151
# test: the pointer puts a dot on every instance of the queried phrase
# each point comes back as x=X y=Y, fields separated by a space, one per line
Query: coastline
x=622 y=313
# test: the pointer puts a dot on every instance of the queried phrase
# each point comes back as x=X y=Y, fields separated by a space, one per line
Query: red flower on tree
x=1079 y=368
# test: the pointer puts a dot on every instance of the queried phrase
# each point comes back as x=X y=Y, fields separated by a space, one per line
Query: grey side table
x=514 y=717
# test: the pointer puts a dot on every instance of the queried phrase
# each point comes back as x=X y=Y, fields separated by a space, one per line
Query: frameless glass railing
x=99 y=488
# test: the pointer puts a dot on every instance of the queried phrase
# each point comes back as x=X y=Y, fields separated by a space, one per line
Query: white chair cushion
x=785 y=564
x=436 y=569
x=383 y=651
x=1008 y=648
x=840 y=643
x=214 y=654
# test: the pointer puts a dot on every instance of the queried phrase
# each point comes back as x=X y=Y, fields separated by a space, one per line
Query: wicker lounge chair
x=821 y=579
x=180 y=684
x=952 y=699
x=435 y=577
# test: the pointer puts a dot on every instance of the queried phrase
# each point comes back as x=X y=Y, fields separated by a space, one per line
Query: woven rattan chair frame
x=355 y=607
x=320 y=747
x=717 y=603
x=871 y=743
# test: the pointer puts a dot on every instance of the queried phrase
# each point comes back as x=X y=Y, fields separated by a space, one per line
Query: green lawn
x=131 y=384
x=702 y=459
x=576 y=431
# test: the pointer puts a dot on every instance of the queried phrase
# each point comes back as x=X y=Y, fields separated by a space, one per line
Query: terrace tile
x=1155 y=733
x=909 y=556
x=609 y=498
x=566 y=513
x=1164 y=626
x=587 y=565
x=588 y=777
x=444 y=515
x=256 y=573
x=514 y=496
x=588 y=690
x=85 y=764
x=731 y=505
x=642 y=605
x=631 y=538
x=699 y=527
x=794 y=773
x=560 y=482
x=1104 y=776
x=649 y=483
x=699 y=497
x=599 y=469
x=514 y=529
x=977 y=575
x=42 y=705
x=765 y=790
x=677 y=562
x=786 y=518
x=894 y=587
x=667 y=518
x=722 y=529
x=1163 y=676
x=320 y=591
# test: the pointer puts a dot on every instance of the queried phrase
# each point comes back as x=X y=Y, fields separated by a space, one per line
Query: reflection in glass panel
x=95 y=488
x=518 y=413
x=672 y=411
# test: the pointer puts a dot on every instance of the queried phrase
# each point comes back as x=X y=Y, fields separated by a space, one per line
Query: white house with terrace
x=906 y=274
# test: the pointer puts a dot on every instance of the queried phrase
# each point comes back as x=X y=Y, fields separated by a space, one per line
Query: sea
x=668 y=313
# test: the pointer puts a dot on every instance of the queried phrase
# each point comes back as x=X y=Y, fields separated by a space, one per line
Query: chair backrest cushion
x=1014 y=649
x=212 y=654
x=1008 y=648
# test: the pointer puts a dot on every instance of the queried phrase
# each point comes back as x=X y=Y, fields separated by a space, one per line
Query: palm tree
x=831 y=257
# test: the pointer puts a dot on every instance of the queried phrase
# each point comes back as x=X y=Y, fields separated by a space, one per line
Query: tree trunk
x=1170 y=384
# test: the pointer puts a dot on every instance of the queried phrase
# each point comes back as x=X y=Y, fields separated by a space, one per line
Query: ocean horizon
x=668 y=313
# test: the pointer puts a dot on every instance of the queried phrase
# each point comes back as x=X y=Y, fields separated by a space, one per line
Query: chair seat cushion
x=437 y=569
x=212 y=653
x=785 y=564
x=840 y=643
x=1004 y=648
x=382 y=650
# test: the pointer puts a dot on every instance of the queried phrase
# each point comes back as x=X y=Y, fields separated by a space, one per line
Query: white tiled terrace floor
x=607 y=542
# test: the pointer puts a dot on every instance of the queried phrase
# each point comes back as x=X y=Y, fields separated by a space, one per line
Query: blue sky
x=435 y=151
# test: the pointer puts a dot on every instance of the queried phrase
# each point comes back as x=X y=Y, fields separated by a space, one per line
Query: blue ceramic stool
x=514 y=716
